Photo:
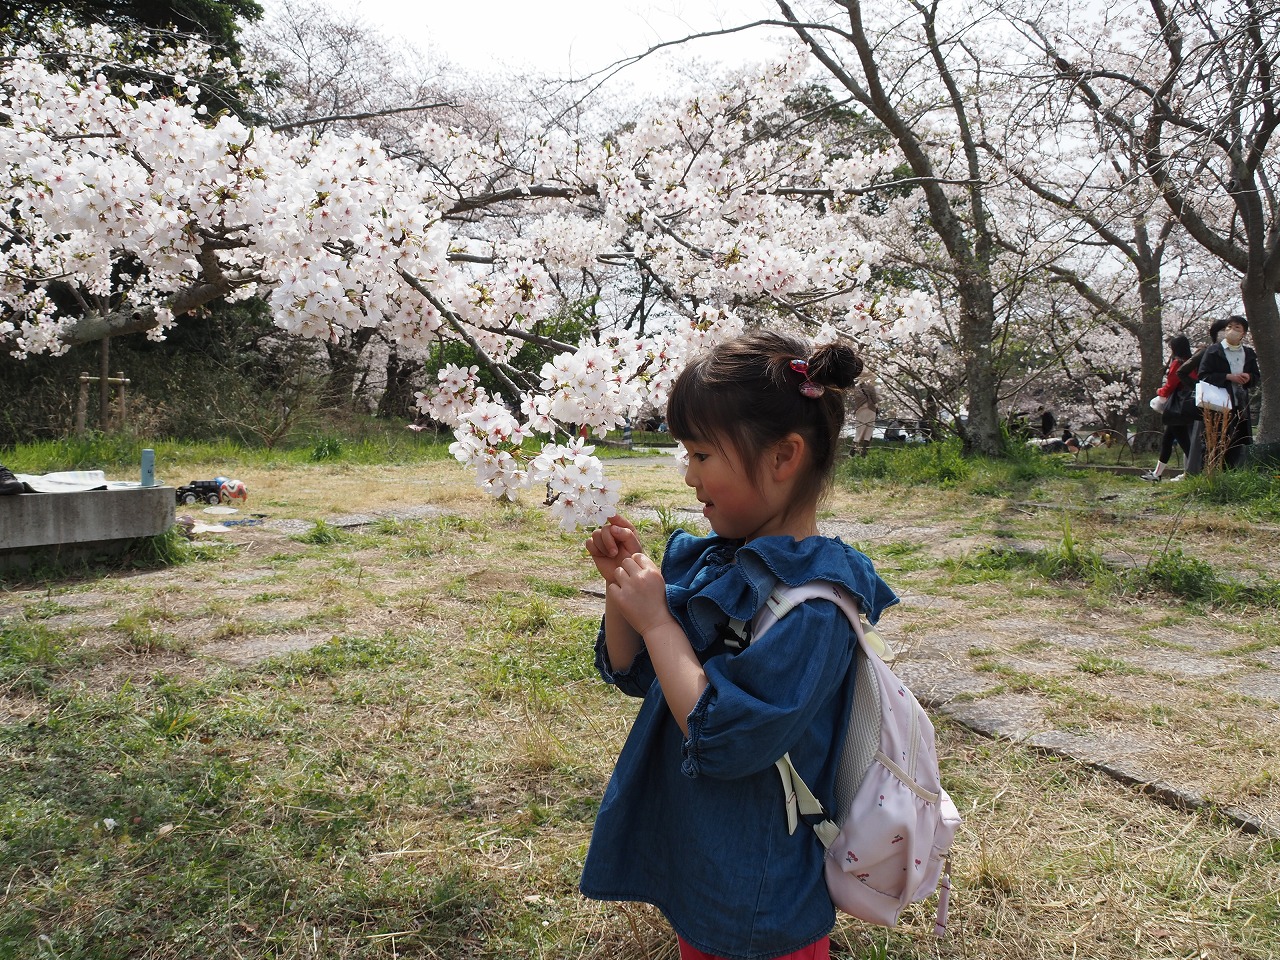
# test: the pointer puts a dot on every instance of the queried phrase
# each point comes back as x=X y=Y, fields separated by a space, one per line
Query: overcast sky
x=564 y=38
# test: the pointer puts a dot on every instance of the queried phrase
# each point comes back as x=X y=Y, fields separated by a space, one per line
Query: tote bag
x=1210 y=397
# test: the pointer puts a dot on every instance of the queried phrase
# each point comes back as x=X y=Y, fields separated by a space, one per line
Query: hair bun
x=835 y=365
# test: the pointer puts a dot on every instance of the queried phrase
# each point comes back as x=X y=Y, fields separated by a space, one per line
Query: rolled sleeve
x=759 y=703
x=635 y=679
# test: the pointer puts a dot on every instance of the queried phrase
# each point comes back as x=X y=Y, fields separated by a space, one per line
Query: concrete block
x=35 y=526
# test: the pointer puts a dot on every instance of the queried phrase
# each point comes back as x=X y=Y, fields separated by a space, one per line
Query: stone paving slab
x=1177 y=664
x=1263 y=686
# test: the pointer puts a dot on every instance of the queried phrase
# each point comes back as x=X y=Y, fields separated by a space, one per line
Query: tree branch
x=367 y=115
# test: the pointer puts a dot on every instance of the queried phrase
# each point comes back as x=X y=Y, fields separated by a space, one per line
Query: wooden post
x=104 y=385
x=82 y=403
x=121 y=402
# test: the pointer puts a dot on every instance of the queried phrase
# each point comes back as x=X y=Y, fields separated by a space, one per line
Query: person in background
x=1191 y=373
x=1233 y=366
x=866 y=404
x=1179 y=409
x=1047 y=421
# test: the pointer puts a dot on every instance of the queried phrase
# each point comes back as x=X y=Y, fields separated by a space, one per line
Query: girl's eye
x=701 y=457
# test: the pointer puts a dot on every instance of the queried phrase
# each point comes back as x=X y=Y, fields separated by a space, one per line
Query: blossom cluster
x=491 y=442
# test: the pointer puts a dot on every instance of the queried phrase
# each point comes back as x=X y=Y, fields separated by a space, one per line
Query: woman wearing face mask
x=1230 y=364
x=1191 y=373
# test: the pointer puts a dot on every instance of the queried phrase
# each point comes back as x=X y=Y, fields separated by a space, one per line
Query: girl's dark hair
x=1215 y=330
x=745 y=392
x=1180 y=346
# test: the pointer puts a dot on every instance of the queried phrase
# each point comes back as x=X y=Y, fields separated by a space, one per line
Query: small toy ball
x=233 y=490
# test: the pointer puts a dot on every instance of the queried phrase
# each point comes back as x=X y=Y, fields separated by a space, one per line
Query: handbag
x=1210 y=397
x=1181 y=407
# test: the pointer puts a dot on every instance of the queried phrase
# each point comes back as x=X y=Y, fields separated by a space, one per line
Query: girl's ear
x=787 y=456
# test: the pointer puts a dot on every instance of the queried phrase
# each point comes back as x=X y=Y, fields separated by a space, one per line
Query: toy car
x=200 y=491
x=217 y=490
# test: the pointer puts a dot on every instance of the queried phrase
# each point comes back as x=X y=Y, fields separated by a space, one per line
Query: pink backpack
x=887 y=845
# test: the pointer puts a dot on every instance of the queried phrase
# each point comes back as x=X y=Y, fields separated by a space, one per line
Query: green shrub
x=929 y=464
x=326 y=448
x=323 y=533
x=1183 y=576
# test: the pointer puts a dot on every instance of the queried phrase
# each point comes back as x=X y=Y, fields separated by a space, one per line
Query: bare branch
x=367 y=115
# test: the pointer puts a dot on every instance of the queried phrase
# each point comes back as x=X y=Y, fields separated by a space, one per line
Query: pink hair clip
x=808 y=388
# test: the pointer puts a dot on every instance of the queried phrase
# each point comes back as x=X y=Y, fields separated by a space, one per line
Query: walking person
x=1179 y=407
x=694 y=820
x=1232 y=365
x=866 y=405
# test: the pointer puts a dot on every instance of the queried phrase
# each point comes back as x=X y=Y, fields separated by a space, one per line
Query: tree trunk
x=1150 y=336
x=397 y=401
x=977 y=319
x=344 y=365
x=104 y=385
x=1150 y=379
x=969 y=245
x=1261 y=311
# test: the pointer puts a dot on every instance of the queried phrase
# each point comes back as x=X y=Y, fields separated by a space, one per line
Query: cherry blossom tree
x=331 y=72
x=910 y=65
x=1193 y=84
x=132 y=206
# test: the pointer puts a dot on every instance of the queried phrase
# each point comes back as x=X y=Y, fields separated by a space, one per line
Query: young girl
x=694 y=820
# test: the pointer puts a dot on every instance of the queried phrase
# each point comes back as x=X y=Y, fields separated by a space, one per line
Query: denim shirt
x=697 y=826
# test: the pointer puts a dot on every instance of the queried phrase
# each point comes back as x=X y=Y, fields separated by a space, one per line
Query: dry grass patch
x=394 y=745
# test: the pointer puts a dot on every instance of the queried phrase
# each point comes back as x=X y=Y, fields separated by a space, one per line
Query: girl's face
x=1233 y=333
x=735 y=507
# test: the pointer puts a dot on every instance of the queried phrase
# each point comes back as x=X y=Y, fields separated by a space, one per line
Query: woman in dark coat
x=1179 y=409
x=1233 y=366
x=1191 y=373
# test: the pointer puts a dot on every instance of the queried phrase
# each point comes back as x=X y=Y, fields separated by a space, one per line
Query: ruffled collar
x=710 y=579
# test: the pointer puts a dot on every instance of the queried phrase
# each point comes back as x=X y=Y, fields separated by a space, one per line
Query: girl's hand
x=612 y=544
x=640 y=593
x=1240 y=378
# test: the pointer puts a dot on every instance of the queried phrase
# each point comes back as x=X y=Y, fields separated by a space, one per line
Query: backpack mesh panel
x=863 y=739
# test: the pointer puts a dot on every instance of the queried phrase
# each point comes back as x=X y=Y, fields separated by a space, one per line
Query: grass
x=1186 y=579
x=121 y=453
x=389 y=741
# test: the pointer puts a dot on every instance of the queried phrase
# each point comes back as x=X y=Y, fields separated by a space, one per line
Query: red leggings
x=815 y=951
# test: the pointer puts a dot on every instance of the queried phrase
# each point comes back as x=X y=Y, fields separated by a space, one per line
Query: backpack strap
x=783 y=599
x=801 y=802
x=799 y=799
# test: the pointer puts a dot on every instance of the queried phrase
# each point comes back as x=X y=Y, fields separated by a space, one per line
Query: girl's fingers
x=602 y=544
